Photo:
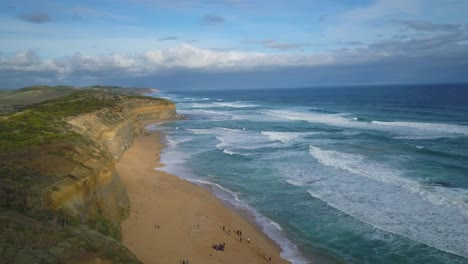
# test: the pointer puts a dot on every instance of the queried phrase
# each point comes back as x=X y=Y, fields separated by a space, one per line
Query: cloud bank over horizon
x=380 y=41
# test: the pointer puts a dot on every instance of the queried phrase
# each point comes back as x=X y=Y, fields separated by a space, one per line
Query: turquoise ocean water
x=337 y=174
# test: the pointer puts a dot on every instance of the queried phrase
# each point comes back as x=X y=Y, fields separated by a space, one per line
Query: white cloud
x=183 y=56
x=29 y=61
x=188 y=57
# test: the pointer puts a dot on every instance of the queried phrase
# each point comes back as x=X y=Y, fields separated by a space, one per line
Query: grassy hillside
x=40 y=237
x=38 y=146
x=44 y=122
x=118 y=90
x=14 y=100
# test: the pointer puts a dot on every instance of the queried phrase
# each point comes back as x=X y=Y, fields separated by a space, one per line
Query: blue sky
x=233 y=43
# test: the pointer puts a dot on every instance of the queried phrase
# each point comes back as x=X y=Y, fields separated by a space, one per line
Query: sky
x=232 y=44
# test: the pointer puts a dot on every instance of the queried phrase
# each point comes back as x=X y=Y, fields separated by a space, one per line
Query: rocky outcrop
x=92 y=188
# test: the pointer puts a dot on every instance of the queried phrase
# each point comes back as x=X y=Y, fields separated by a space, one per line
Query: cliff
x=57 y=161
x=92 y=188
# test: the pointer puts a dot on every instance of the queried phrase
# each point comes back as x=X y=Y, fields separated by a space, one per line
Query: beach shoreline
x=173 y=220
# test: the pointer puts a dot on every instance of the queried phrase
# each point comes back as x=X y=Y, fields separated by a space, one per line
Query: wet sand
x=172 y=220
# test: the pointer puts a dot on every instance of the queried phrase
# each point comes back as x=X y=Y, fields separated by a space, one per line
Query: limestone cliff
x=92 y=188
x=58 y=184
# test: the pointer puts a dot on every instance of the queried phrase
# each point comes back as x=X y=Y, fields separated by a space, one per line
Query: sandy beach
x=172 y=220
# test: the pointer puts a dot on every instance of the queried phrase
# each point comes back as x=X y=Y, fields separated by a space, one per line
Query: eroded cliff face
x=92 y=188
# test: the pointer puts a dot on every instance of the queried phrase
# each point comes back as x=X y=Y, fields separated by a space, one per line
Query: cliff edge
x=57 y=168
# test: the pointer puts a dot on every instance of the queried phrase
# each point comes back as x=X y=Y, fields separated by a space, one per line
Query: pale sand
x=190 y=218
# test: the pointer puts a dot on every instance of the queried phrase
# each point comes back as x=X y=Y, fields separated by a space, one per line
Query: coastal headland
x=78 y=185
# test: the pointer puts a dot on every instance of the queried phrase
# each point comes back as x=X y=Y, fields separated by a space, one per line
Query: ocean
x=371 y=174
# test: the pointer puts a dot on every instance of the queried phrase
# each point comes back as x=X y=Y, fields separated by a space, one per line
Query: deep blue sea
x=374 y=174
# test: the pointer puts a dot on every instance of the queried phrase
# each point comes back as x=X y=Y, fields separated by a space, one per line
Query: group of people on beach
x=219 y=247
x=239 y=233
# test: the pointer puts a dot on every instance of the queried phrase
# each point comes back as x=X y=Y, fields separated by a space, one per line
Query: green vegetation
x=76 y=104
x=117 y=90
x=33 y=239
x=106 y=227
x=161 y=100
x=44 y=122
x=11 y=100
x=14 y=100
x=15 y=181
x=38 y=148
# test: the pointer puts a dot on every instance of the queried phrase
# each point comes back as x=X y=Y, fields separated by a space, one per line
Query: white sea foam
x=226 y=151
x=223 y=104
x=415 y=130
x=330 y=119
x=278 y=226
x=295 y=183
x=237 y=104
x=230 y=194
x=232 y=145
x=285 y=137
x=236 y=141
x=212 y=131
x=430 y=127
x=385 y=199
x=213 y=115
x=272 y=229
x=361 y=166
x=174 y=159
x=222 y=145
x=182 y=99
x=253 y=117
x=199 y=105
x=200 y=131
x=214 y=112
x=230 y=129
